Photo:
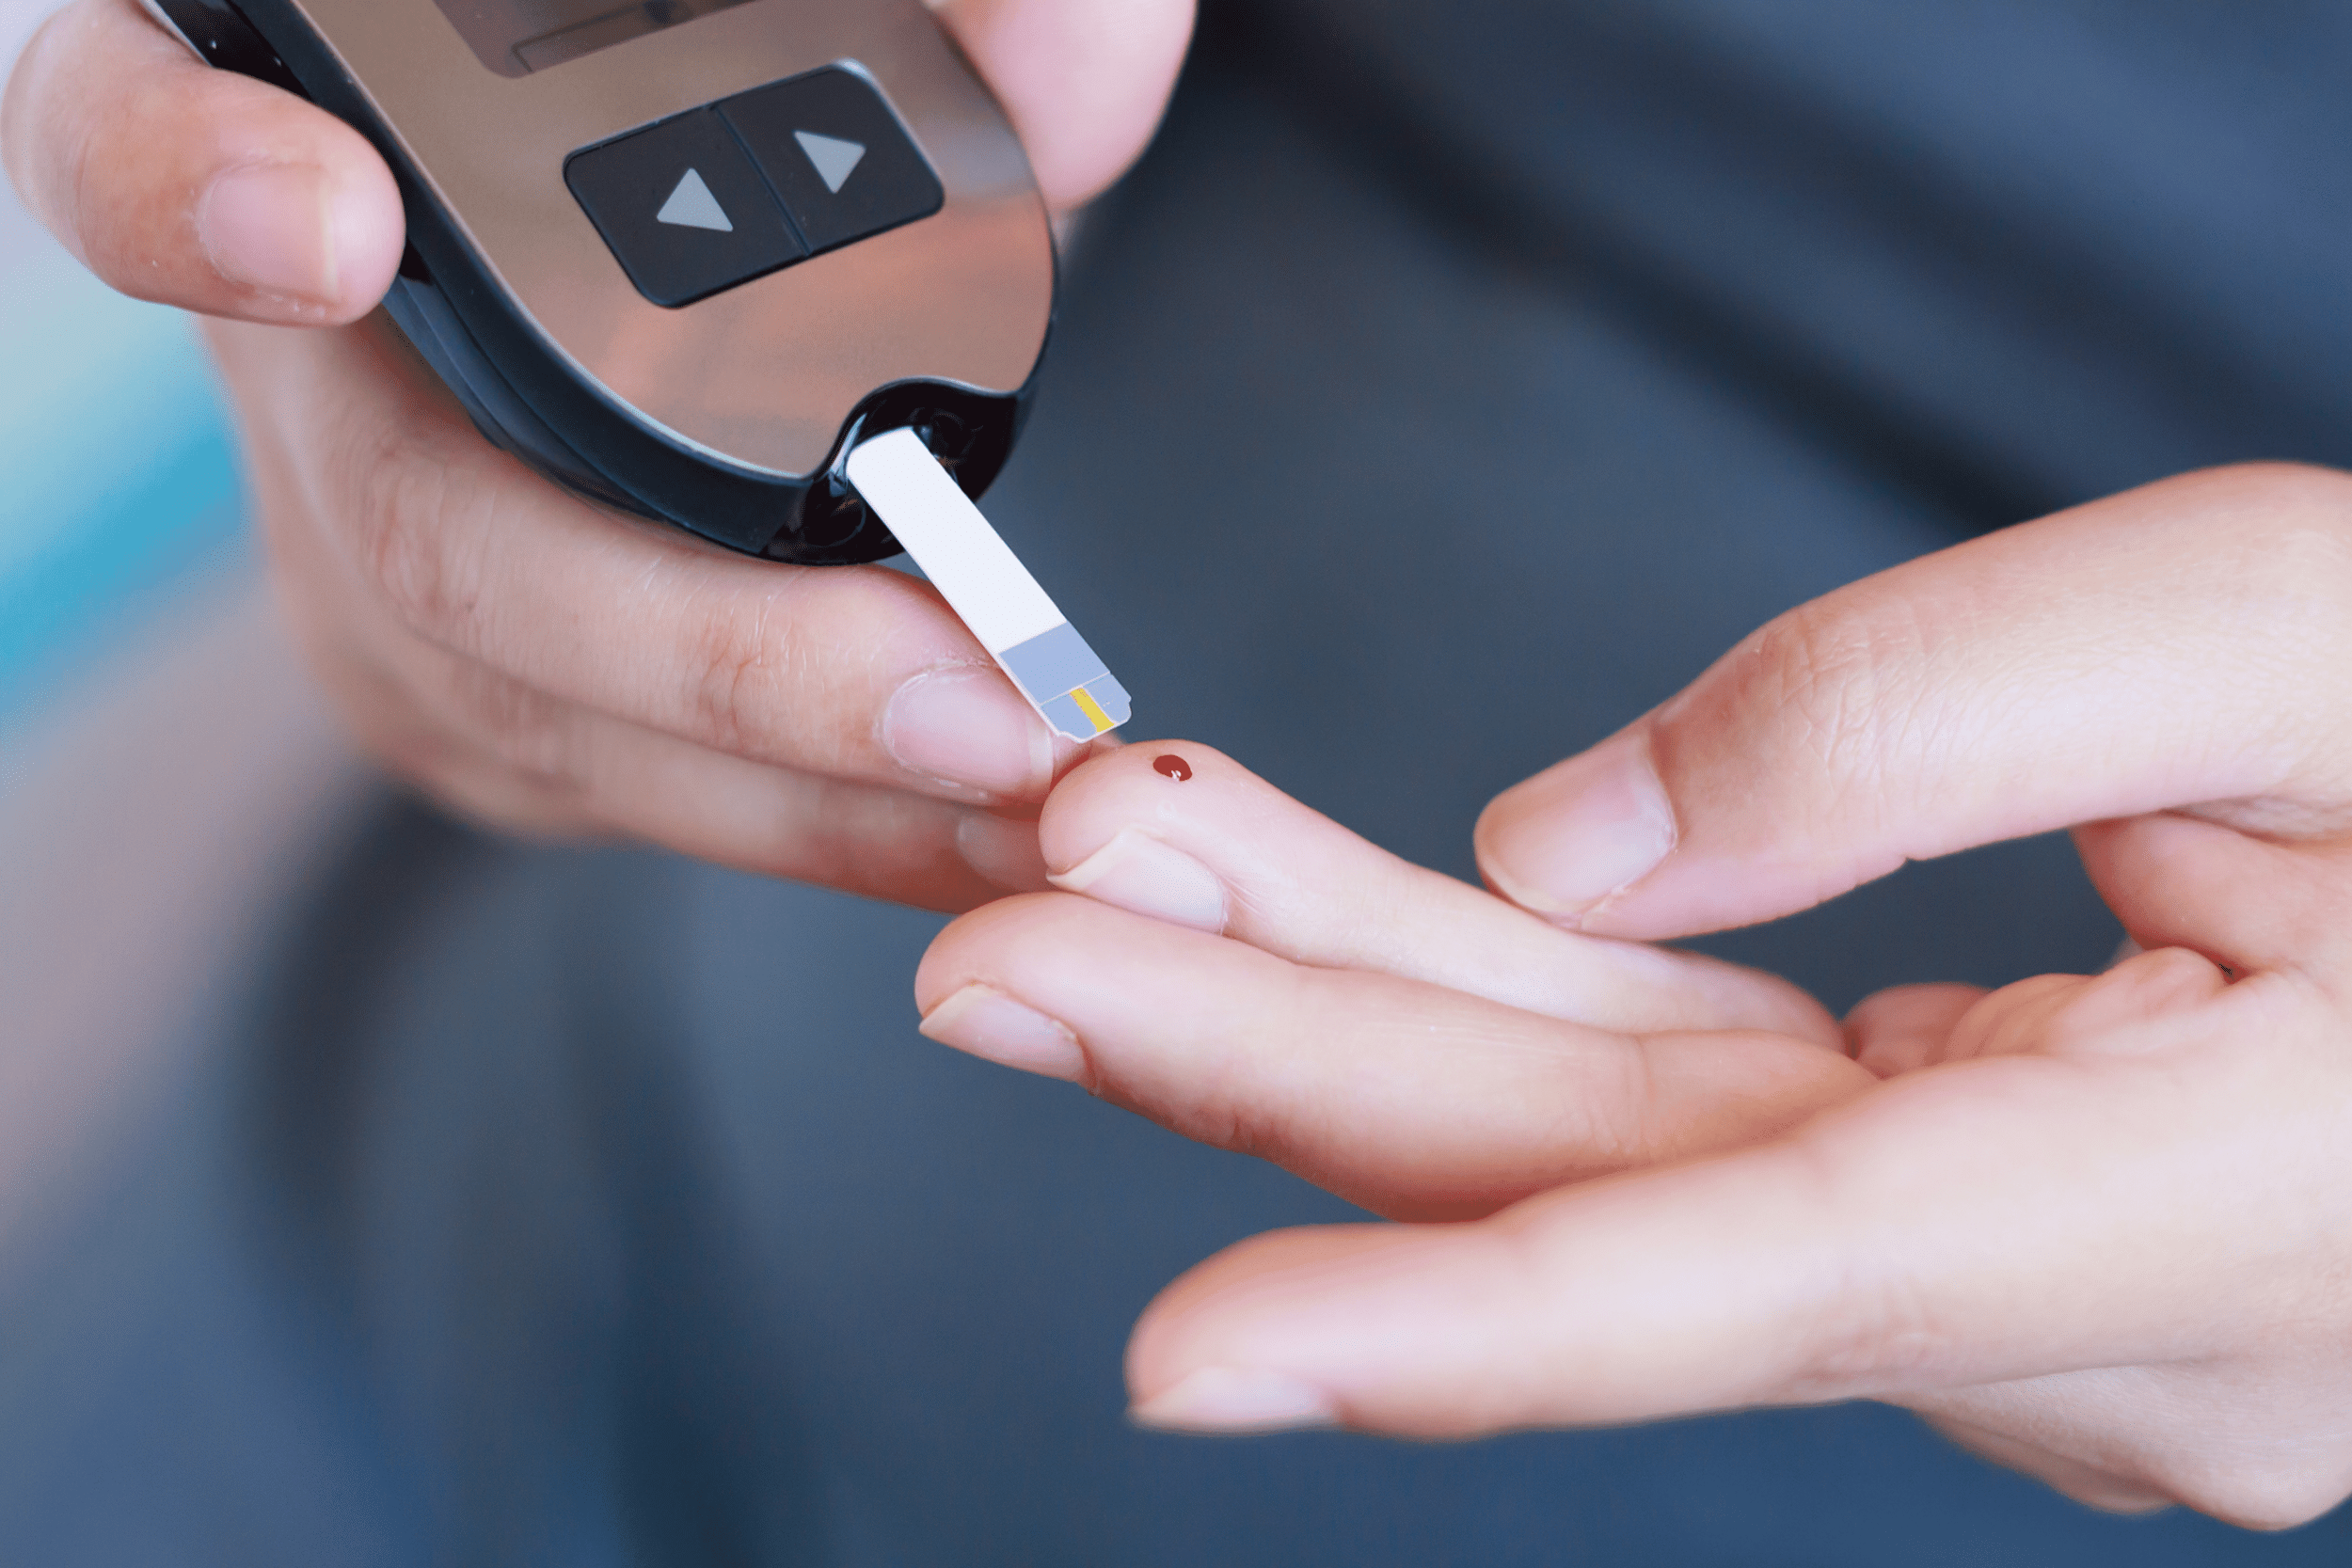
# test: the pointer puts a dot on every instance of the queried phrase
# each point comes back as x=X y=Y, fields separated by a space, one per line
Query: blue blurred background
x=121 y=482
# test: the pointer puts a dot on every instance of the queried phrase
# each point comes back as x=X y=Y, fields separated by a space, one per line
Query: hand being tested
x=2098 y=1229
x=535 y=662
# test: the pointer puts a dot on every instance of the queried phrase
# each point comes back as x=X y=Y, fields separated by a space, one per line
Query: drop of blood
x=1173 y=766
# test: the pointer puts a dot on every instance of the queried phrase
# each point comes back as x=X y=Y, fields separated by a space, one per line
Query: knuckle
x=1835 y=685
x=737 y=673
x=1233 y=1100
x=534 y=736
x=1875 y=1329
x=1610 y=1115
x=44 y=166
x=1876 y=1335
x=395 y=492
x=2271 y=546
x=2282 y=534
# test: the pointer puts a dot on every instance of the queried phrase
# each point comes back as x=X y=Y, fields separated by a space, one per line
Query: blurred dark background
x=1449 y=383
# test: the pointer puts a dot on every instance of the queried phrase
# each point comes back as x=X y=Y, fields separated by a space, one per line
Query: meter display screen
x=515 y=38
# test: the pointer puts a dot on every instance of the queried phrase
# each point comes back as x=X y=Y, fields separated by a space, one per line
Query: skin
x=2096 y=1227
x=536 y=662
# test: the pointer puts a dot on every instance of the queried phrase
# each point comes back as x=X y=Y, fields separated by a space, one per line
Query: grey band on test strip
x=1052 y=667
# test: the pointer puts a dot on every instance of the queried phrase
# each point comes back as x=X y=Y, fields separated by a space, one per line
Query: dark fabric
x=1453 y=381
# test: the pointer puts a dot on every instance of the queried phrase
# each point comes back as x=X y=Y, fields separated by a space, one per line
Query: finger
x=1181 y=832
x=2180 y=646
x=2000 y=1219
x=196 y=187
x=2058 y=1015
x=1404 y=1096
x=1906 y=1028
x=854 y=838
x=1084 y=80
x=518 y=760
x=2249 y=904
x=858 y=674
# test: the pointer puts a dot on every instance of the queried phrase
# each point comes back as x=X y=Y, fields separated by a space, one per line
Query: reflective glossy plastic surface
x=762 y=377
x=515 y=38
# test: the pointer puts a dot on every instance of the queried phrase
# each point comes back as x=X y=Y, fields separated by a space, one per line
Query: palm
x=1975 y=1205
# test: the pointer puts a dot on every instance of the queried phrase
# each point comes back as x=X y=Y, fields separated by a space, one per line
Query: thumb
x=1083 y=82
x=2186 y=646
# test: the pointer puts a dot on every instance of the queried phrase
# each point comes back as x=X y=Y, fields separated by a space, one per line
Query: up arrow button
x=692 y=206
x=835 y=159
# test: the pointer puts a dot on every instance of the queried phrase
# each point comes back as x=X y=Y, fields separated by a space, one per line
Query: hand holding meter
x=528 y=661
x=684 y=255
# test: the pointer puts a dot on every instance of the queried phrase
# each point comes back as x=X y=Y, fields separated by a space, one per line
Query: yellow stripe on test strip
x=1092 y=709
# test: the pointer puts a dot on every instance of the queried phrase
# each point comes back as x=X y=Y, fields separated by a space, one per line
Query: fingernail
x=1568 y=840
x=1226 y=1398
x=1004 y=852
x=1136 y=871
x=964 y=725
x=272 y=228
x=993 y=1026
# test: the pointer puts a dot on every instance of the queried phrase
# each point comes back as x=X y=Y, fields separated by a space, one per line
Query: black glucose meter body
x=684 y=255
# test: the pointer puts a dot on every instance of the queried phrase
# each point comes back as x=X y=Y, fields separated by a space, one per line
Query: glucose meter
x=685 y=256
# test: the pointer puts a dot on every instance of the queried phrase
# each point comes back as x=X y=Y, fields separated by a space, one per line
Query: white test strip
x=960 y=552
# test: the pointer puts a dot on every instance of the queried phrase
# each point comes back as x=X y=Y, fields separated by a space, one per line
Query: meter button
x=835 y=152
x=683 y=208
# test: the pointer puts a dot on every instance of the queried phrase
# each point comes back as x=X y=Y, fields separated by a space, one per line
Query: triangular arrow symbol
x=835 y=159
x=692 y=206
